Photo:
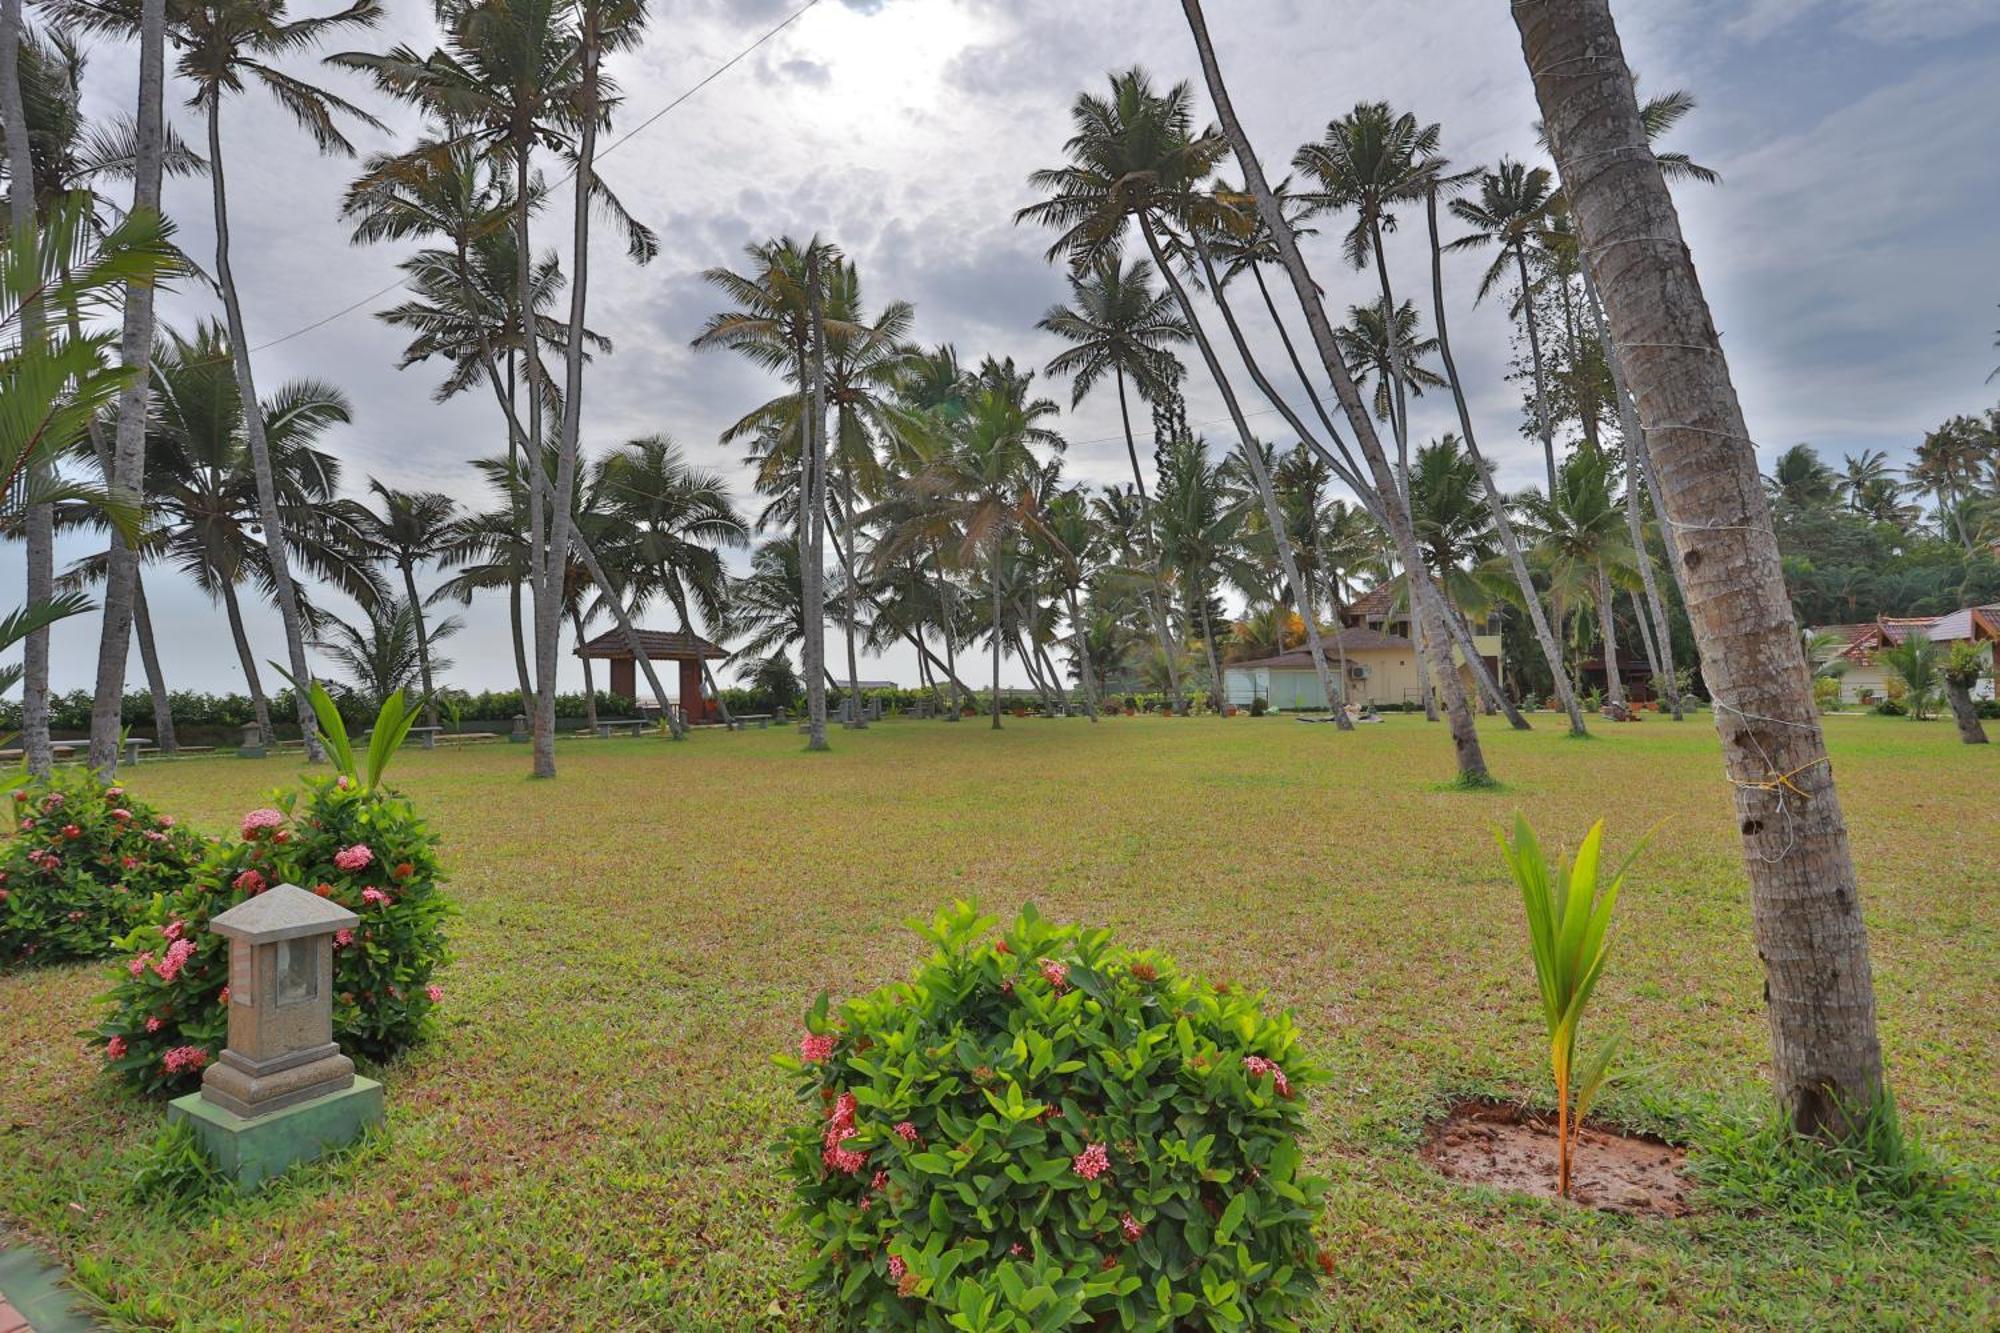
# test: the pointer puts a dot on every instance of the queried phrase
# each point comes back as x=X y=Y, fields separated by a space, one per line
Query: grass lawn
x=584 y=1142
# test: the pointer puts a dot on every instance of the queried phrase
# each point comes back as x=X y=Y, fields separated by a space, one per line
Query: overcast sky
x=1848 y=255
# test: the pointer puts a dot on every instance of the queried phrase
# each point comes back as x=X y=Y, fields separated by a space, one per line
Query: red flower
x=71 y=831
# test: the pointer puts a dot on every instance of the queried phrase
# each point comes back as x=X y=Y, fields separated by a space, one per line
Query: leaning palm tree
x=1511 y=214
x=1116 y=321
x=1395 y=364
x=412 y=528
x=226 y=45
x=1465 y=738
x=1965 y=662
x=1584 y=540
x=1372 y=160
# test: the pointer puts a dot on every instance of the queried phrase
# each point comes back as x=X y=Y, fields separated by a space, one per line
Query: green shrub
x=1259 y=707
x=1987 y=708
x=1048 y=1130
x=344 y=837
x=82 y=865
x=1892 y=708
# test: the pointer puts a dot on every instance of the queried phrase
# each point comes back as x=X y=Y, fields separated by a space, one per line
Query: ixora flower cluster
x=81 y=867
x=1048 y=1127
x=363 y=847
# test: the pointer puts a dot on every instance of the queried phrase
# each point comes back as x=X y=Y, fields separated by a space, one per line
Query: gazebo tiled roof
x=663 y=645
x=1353 y=639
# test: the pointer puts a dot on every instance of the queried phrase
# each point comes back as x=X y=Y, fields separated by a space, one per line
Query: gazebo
x=661 y=646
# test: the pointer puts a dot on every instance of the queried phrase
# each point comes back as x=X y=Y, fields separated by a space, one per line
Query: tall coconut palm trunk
x=260 y=449
x=156 y=680
x=993 y=577
x=852 y=589
x=589 y=676
x=1637 y=470
x=1329 y=690
x=1542 y=423
x=951 y=655
x=812 y=564
x=260 y=706
x=1496 y=503
x=1826 y=1059
x=1086 y=684
x=126 y=466
x=409 y=572
x=1607 y=633
x=41 y=552
x=1156 y=604
x=1399 y=419
x=1471 y=757
x=1964 y=711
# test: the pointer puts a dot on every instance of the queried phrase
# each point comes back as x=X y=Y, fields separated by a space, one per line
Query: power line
x=606 y=151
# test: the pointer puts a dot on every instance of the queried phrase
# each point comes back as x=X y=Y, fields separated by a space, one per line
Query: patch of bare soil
x=1511 y=1148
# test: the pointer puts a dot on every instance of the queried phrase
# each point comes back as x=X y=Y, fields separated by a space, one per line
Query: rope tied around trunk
x=1774 y=782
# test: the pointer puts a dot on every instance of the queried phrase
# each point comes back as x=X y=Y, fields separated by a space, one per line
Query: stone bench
x=631 y=726
x=739 y=721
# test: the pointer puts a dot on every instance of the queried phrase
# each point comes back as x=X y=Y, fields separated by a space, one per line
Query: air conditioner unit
x=1357 y=671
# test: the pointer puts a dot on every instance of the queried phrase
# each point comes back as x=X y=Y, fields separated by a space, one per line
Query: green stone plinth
x=251 y=1152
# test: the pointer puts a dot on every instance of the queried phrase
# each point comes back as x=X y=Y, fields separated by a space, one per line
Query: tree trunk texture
x=41 y=552
x=124 y=477
x=1535 y=355
x=589 y=678
x=993 y=576
x=812 y=560
x=1965 y=713
x=1465 y=736
x=156 y=680
x=424 y=643
x=1496 y=502
x=1826 y=1059
x=260 y=450
x=1086 y=684
x=1169 y=651
x=251 y=681
x=855 y=721
x=1607 y=633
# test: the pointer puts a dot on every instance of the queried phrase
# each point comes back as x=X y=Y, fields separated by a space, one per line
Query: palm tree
x=1918 y=662
x=1372 y=160
x=677 y=521
x=1583 y=539
x=978 y=490
x=1511 y=213
x=1202 y=529
x=1427 y=612
x=1075 y=541
x=207 y=494
x=1496 y=502
x=1799 y=483
x=413 y=528
x=1947 y=465
x=1826 y=1056
x=1136 y=159
x=1396 y=365
x=1965 y=662
x=1117 y=322
x=390 y=651
x=225 y=45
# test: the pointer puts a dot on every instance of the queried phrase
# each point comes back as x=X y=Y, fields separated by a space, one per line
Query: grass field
x=583 y=1144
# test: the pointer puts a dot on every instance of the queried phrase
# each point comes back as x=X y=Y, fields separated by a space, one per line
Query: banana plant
x=1569 y=934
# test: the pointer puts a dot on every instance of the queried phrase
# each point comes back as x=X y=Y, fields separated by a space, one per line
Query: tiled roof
x=1378 y=600
x=666 y=645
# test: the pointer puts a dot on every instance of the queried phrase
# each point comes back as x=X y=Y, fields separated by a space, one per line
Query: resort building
x=1865 y=678
x=1383 y=669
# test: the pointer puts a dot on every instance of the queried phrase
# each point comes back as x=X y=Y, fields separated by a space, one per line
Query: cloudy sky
x=1848 y=254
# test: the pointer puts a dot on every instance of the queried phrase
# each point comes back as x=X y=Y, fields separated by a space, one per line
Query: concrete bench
x=134 y=746
x=739 y=721
x=426 y=736
x=631 y=726
x=466 y=737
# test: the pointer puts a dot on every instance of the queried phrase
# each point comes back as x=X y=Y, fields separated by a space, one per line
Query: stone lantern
x=519 y=735
x=253 y=742
x=281 y=1092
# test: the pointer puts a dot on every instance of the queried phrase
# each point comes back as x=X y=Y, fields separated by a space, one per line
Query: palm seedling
x=1569 y=922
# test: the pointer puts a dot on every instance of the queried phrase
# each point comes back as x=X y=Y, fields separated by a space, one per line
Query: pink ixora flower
x=880 y=1182
x=434 y=993
x=177 y=955
x=1131 y=1226
x=815 y=1047
x=114 y=1049
x=184 y=1059
x=153 y=1024
x=342 y=938
x=374 y=897
x=844 y=1160
x=138 y=965
x=175 y=929
x=1257 y=1064
x=166 y=821
x=1056 y=973
x=357 y=857
x=1092 y=1162
x=250 y=881
x=53 y=800
x=122 y=816
x=897 y=1268
x=906 y=1131
x=113 y=793
x=258 y=820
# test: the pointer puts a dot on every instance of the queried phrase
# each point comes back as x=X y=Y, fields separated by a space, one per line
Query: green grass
x=584 y=1142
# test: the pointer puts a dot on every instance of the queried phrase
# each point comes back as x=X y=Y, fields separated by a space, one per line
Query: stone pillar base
x=249 y=752
x=251 y=1152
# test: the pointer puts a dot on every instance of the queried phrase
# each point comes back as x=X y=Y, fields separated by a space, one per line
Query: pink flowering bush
x=168 y=1003
x=1053 y=1131
x=82 y=864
